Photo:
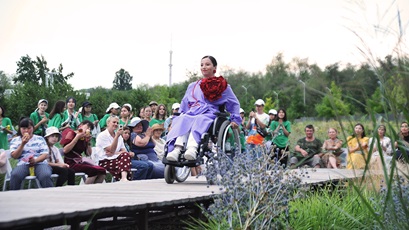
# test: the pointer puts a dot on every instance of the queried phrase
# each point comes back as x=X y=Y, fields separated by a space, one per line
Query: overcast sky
x=96 y=38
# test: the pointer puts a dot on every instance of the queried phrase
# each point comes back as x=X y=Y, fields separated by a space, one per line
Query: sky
x=96 y=38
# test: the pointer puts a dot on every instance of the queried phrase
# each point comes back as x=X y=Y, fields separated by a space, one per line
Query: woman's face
x=124 y=112
x=53 y=139
x=207 y=67
x=138 y=128
x=381 y=131
x=148 y=112
x=113 y=123
x=42 y=107
x=29 y=130
x=87 y=108
x=157 y=133
x=404 y=128
x=358 y=130
x=260 y=109
x=281 y=114
x=162 y=110
x=126 y=134
x=332 y=134
x=142 y=113
x=71 y=104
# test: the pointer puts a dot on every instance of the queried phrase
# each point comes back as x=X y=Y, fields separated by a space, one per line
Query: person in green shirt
x=160 y=115
x=126 y=114
x=57 y=117
x=70 y=115
x=40 y=117
x=5 y=128
x=112 y=110
x=86 y=114
x=280 y=130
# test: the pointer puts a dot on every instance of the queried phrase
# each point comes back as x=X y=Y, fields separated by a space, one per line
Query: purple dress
x=197 y=113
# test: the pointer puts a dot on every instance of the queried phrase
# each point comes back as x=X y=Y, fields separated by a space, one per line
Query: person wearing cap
x=281 y=130
x=70 y=115
x=40 y=117
x=111 y=151
x=29 y=150
x=168 y=121
x=258 y=119
x=143 y=145
x=5 y=128
x=199 y=105
x=77 y=142
x=55 y=160
x=159 y=116
x=112 y=110
x=153 y=105
x=157 y=130
x=243 y=119
x=272 y=113
x=86 y=114
x=126 y=114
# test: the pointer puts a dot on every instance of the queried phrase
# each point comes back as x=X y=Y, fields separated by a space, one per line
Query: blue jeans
x=144 y=169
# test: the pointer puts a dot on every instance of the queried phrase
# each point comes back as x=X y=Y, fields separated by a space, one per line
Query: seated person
x=157 y=131
x=143 y=146
x=402 y=144
x=55 y=160
x=199 y=105
x=31 y=151
x=332 y=150
x=357 y=148
x=386 y=145
x=77 y=142
x=111 y=151
x=307 y=150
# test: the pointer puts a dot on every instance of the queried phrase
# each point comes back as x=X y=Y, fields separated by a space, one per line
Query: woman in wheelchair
x=199 y=105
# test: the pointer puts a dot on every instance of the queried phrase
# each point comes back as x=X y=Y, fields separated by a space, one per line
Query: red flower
x=213 y=87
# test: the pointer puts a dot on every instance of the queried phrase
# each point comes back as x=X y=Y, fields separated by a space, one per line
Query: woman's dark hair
x=73 y=99
x=25 y=122
x=212 y=59
x=156 y=114
x=57 y=109
x=2 y=111
x=363 y=130
x=285 y=114
x=89 y=123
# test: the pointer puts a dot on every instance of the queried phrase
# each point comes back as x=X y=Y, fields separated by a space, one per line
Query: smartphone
x=121 y=126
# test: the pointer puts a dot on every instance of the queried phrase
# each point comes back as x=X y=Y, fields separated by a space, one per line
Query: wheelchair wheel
x=170 y=174
x=181 y=174
x=228 y=139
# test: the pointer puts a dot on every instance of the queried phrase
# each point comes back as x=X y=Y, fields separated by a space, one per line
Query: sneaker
x=190 y=154
x=174 y=155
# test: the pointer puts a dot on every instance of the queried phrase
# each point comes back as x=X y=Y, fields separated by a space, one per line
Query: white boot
x=191 y=153
x=174 y=155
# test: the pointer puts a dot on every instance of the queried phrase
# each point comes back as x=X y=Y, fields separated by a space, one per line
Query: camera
x=121 y=126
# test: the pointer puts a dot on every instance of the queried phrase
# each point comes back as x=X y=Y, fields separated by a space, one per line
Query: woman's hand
x=25 y=138
x=148 y=132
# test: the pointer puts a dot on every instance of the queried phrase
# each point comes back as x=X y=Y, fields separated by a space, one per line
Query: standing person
x=357 y=148
x=70 y=115
x=112 y=110
x=86 y=114
x=154 y=106
x=332 y=149
x=126 y=114
x=307 y=150
x=258 y=119
x=168 y=121
x=243 y=119
x=40 y=117
x=31 y=151
x=63 y=170
x=281 y=130
x=111 y=151
x=402 y=145
x=143 y=146
x=144 y=169
x=5 y=128
x=57 y=117
x=148 y=113
x=272 y=113
x=159 y=116
x=199 y=105
x=386 y=147
x=77 y=142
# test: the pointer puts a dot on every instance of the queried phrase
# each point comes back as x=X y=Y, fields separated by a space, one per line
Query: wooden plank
x=70 y=202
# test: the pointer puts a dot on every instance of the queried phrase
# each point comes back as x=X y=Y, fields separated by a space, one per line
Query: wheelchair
x=219 y=139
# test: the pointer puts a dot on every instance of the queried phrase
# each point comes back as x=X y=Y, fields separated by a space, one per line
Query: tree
x=123 y=80
x=332 y=104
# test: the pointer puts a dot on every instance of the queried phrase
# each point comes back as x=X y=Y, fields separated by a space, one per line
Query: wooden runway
x=71 y=205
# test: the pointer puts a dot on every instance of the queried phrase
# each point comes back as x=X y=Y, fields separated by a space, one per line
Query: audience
x=40 y=117
x=159 y=115
x=402 y=145
x=280 y=129
x=126 y=114
x=257 y=120
x=307 y=150
x=5 y=128
x=112 y=110
x=57 y=117
x=70 y=115
x=385 y=144
x=357 y=148
x=332 y=150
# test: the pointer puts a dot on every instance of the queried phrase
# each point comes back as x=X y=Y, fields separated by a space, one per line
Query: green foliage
x=332 y=104
x=122 y=81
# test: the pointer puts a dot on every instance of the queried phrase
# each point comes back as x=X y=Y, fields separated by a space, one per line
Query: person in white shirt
x=112 y=153
x=258 y=119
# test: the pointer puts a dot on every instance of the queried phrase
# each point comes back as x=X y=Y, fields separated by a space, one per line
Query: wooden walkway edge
x=71 y=205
